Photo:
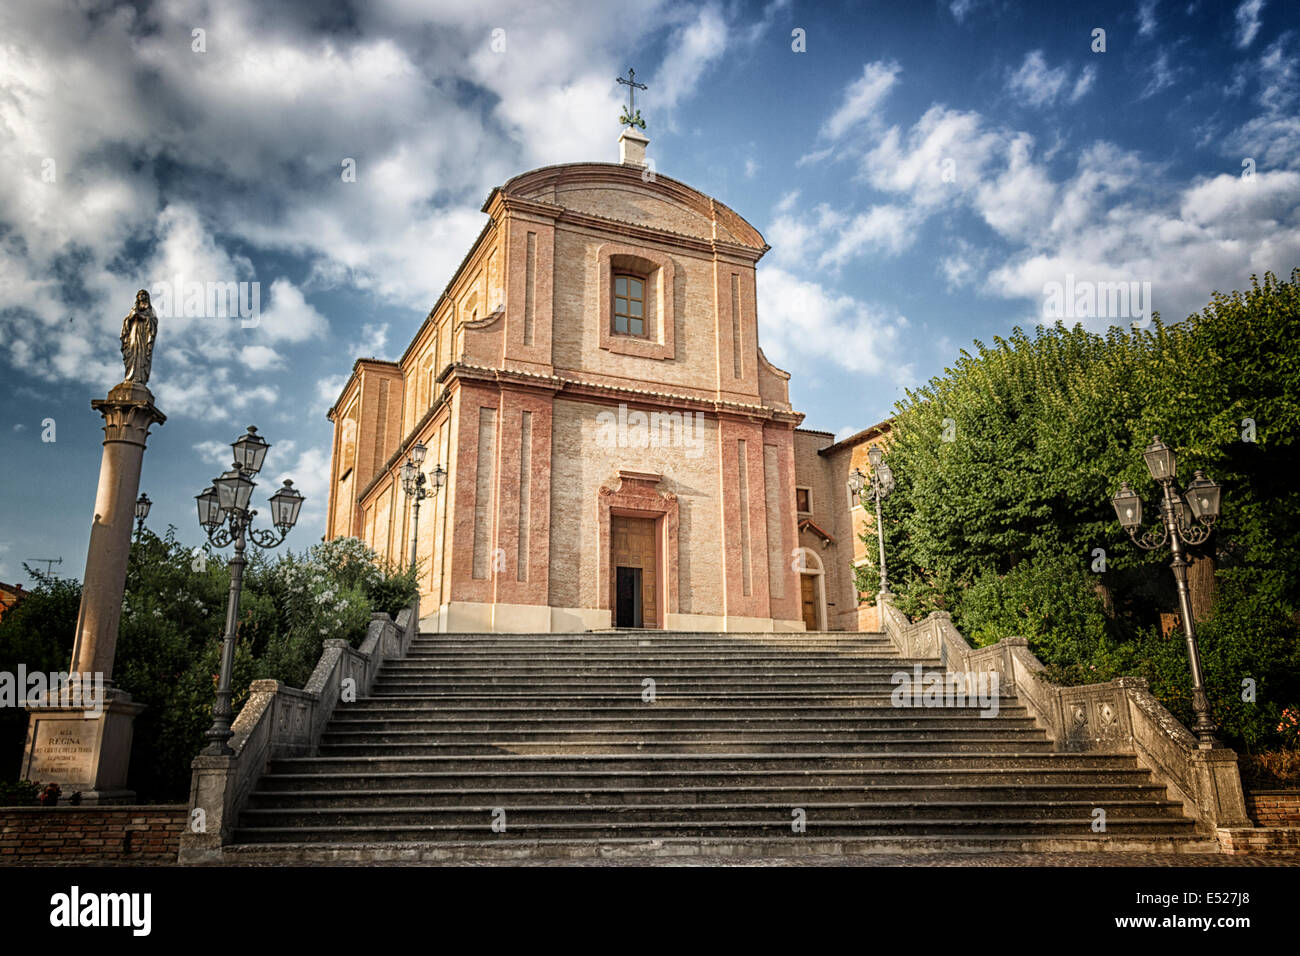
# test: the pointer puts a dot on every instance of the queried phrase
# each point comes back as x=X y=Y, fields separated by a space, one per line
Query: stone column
x=84 y=744
x=128 y=414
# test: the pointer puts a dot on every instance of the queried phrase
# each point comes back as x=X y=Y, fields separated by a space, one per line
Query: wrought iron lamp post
x=1186 y=518
x=142 y=506
x=414 y=483
x=881 y=484
x=226 y=519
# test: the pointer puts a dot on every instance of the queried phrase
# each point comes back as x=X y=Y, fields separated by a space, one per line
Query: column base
x=83 y=751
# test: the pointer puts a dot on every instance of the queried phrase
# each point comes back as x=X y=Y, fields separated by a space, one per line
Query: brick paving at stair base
x=1161 y=860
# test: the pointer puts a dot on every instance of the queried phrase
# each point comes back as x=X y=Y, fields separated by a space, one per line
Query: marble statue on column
x=139 y=329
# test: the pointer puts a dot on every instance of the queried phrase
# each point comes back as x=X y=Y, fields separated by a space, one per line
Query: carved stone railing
x=278 y=721
x=1117 y=716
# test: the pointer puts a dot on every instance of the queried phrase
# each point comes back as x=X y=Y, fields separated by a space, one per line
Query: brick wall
x=41 y=834
x=1241 y=841
x=1274 y=808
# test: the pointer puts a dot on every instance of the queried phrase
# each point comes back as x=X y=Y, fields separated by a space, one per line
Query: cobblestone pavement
x=1168 y=860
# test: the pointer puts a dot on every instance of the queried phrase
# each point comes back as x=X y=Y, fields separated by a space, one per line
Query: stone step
x=714 y=643
x=743 y=728
x=698 y=850
x=492 y=706
x=694 y=638
x=1080 y=812
x=667 y=648
x=660 y=722
x=1121 y=774
x=619 y=648
x=673 y=648
x=611 y=686
x=637 y=668
x=326 y=795
x=990 y=730
x=990 y=744
x=757 y=826
x=659 y=762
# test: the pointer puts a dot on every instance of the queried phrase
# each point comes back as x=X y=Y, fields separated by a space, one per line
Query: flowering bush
x=173 y=619
x=1289 y=728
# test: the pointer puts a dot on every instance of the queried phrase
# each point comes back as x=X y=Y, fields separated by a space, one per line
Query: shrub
x=19 y=793
x=173 y=620
x=38 y=633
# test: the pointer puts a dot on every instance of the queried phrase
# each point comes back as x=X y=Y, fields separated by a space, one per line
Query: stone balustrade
x=278 y=721
x=1116 y=716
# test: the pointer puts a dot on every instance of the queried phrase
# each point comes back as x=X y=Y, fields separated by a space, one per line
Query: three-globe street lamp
x=225 y=518
x=414 y=482
x=142 y=506
x=882 y=483
x=1186 y=518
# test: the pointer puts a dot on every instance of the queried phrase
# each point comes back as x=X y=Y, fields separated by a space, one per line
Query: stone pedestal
x=631 y=147
x=82 y=750
x=64 y=745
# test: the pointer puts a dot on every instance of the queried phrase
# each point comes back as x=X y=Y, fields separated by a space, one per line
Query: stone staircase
x=553 y=739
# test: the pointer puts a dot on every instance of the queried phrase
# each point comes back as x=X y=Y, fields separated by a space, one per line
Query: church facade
x=618 y=451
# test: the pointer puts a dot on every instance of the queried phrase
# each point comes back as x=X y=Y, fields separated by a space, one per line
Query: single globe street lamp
x=142 y=506
x=881 y=484
x=414 y=483
x=225 y=518
x=1186 y=518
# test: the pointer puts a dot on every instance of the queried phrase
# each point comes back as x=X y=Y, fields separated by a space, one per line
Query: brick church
x=617 y=450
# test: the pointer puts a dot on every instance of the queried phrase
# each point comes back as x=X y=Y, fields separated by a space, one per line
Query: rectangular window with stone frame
x=629 y=305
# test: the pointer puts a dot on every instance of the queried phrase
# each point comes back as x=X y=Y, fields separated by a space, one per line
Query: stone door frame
x=637 y=496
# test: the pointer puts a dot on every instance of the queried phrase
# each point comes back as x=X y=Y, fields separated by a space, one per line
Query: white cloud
x=1038 y=84
x=1248 y=22
x=291 y=318
x=1115 y=217
x=888 y=229
x=215 y=452
x=256 y=128
x=692 y=50
x=1034 y=82
x=861 y=98
x=260 y=357
x=963 y=266
x=373 y=341
x=309 y=472
x=1271 y=137
x=1163 y=76
x=915 y=162
x=1214 y=234
x=1147 y=18
x=328 y=389
x=802 y=326
x=1084 y=83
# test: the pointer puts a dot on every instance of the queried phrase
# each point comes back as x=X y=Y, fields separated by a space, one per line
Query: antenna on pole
x=48 y=562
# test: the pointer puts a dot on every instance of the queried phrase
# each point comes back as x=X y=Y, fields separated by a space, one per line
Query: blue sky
x=922 y=171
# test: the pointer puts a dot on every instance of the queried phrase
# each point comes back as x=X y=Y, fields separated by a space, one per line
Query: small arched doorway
x=812 y=590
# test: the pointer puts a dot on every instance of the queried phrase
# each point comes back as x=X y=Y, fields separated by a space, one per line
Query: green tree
x=1005 y=465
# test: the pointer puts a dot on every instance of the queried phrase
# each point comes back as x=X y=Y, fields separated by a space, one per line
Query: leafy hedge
x=173 y=617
